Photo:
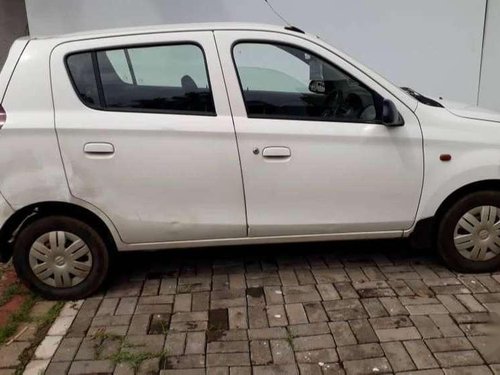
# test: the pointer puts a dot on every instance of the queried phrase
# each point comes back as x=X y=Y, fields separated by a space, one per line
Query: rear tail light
x=3 y=116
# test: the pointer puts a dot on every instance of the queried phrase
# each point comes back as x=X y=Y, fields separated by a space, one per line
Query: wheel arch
x=425 y=230
x=463 y=191
x=27 y=214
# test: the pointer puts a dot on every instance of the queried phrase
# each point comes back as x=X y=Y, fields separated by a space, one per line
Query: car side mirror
x=317 y=87
x=391 y=115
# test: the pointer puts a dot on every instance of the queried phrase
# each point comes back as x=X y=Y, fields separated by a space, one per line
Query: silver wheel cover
x=477 y=234
x=60 y=259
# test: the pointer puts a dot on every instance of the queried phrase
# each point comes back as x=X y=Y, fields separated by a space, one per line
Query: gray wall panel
x=13 y=24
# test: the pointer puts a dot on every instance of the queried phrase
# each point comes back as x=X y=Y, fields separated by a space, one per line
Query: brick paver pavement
x=359 y=308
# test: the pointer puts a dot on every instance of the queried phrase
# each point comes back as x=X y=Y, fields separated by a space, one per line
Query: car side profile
x=222 y=134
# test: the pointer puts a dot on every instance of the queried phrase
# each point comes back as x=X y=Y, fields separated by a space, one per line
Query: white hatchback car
x=204 y=135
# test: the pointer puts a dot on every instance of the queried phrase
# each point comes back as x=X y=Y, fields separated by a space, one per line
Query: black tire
x=445 y=243
x=100 y=257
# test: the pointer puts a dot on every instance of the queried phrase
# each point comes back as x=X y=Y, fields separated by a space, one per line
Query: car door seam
x=423 y=173
x=235 y=133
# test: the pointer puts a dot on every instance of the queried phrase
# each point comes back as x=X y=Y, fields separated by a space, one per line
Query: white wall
x=433 y=46
x=489 y=95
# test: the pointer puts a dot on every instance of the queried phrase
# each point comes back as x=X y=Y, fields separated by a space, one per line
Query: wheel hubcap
x=477 y=233
x=60 y=259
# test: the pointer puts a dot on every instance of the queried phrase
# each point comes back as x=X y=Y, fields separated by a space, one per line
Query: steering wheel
x=332 y=103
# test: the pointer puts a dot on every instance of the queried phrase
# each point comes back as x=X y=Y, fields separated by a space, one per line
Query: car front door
x=146 y=135
x=316 y=158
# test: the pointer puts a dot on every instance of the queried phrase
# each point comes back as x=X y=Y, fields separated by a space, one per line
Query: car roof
x=170 y=28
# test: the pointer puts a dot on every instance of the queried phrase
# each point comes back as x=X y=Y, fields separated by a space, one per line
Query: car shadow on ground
x=262 y=258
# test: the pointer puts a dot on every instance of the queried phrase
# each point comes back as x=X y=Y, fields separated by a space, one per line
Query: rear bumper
x=6 y=212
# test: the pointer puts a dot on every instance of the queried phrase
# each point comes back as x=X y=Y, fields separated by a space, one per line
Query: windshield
x=421 y=98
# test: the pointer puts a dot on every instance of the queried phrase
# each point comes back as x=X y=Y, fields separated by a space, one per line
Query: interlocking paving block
x=260 y=352
x=311 y=311
x=91 y=367
x=368 y=366
x=363 y=351
x=9 y=354
x=218 y=322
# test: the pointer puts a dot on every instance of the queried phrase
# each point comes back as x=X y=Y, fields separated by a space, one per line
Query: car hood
x=470 y=111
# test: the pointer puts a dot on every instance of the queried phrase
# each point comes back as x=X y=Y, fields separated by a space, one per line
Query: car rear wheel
x=61 y=258
x=469 y=233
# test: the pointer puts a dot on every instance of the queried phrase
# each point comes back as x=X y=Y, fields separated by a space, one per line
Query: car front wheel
x=61 y=257
x=469 y=233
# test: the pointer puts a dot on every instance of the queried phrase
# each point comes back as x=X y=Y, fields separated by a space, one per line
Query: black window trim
x=130 y=67
x=101 y=106
x=297 y=118
x=97 y=77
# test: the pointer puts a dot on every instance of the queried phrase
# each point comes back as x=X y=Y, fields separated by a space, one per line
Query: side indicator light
x=445 y=157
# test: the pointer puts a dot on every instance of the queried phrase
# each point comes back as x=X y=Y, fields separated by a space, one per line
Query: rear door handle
x=103 y=148
x=276 y=152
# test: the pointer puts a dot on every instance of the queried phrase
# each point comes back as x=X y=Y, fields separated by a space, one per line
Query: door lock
x=256 y=151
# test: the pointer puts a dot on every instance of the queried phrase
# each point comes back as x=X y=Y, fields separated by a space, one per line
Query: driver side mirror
x=391 y=115
x=317 y=87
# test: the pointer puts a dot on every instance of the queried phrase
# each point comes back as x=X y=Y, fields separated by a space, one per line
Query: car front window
x=283 y=81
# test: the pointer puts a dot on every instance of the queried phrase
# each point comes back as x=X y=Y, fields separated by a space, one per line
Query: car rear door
x=146 y=135
x=306 y=171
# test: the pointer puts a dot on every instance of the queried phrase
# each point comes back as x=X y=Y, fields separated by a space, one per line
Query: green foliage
x=20 y=316
x=11 y=291
x=134 y=360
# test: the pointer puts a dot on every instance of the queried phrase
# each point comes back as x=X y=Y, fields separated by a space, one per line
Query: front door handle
x=276 y=152
x=102 y=148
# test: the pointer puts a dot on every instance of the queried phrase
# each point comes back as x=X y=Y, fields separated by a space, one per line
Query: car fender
x=442 y=183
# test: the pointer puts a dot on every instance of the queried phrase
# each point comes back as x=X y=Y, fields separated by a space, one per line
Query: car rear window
x=166 y=78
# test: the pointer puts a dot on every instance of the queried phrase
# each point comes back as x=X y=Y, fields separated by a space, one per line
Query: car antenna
x=288 y=26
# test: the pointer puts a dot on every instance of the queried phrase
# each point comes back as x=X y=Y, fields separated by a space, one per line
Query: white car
x=223 y=134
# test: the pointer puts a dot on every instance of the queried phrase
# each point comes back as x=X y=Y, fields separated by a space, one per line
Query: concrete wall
x=13 y=24
x=489 y=94
x=433 y=46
